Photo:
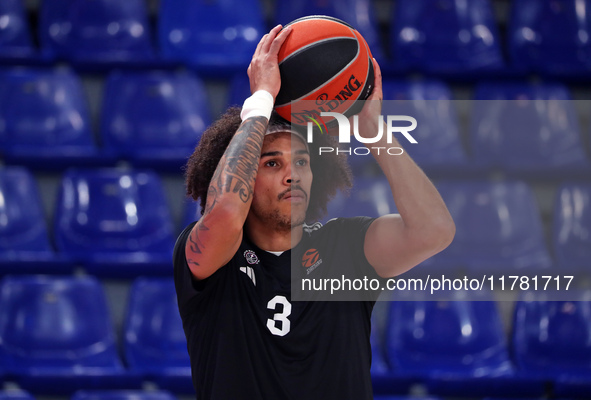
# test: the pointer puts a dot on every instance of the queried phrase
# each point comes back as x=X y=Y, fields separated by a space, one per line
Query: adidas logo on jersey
x=250 y=273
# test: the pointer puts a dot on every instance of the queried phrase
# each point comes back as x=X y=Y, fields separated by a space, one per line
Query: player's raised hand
x=263 y=70
x=369 y=115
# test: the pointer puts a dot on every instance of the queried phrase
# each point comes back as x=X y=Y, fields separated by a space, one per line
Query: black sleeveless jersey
x=248 y=340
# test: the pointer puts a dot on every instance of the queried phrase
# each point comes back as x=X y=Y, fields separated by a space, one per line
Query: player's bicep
x=391 y=249
x=210 y=245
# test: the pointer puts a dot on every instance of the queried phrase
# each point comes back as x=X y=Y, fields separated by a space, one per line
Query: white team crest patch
x=251 y=257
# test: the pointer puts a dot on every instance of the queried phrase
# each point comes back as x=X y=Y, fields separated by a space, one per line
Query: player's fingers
x=260 y=45
x=377 y=90
x=270 y=38
x=278 y=42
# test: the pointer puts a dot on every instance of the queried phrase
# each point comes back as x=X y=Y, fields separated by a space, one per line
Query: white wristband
x=260 y=104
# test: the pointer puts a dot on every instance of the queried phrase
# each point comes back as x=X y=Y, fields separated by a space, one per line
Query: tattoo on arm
x=238 y=167
x=235 y=173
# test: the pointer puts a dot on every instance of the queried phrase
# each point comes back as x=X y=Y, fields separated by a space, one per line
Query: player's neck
x=273 y=240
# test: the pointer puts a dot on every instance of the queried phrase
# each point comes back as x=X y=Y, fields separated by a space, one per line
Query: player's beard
x=278 y=221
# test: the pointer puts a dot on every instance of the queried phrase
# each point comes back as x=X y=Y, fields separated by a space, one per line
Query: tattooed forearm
x=195 y=243
x=236 y=171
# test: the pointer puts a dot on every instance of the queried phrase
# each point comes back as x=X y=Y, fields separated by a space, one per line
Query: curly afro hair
x=331 y=171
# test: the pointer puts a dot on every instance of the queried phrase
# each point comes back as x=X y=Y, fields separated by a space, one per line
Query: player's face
x=282 y=188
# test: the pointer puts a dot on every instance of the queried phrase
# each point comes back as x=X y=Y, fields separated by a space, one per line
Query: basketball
x=325 y=66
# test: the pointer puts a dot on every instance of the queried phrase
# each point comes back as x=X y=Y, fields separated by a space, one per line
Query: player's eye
x=302 y=162
x=271 y=163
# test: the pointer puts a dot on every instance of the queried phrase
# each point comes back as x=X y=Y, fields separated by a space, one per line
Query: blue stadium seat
x=154 y=342
x=439 y=149
x=44 y=119
x=370 y=196
x=551 y=37
x=526 y=130
x=571 y=227
x=122 y=395
x=15 y=34
x=360 y=14
x=218 y=38
x=498 y=228
x=98 y=33
x=154 y=119
x=115 y=223
x=551 y=340
x=239 y=89
x=15 y=395
x=456 y=345
x=24 y=240
x=56 y=335
x=446 y=36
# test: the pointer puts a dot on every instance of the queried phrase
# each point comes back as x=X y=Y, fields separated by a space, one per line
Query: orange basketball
x=326 y=63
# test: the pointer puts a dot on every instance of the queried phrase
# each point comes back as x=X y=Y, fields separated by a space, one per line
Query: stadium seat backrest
x=154 y=336
x=148 y=110
x=213 y=34
x=551 y=335
x=369 y=197
x=114 y=211
x=22 y=221
x=42 y=109
x=55 y=323
x=15 y=395
x=571 y=226
x=98 y=30
x=550 y=35
x=445 y=35
x=447 y=336
x=122 y=395
x=497 y=224
x=360 y=14
x=430 y=103
x=520 y=126
x=15 y=36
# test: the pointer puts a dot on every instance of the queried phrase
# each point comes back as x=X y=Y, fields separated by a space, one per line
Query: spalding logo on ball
x=325 y=66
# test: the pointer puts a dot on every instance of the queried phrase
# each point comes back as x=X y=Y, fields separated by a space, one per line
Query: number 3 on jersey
x=279 y=325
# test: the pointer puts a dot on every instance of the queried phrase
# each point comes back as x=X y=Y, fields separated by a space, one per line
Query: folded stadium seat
x=454 y=344
x=498 y=229
x=15 y=35
x=360 y=14
x=24 y=240
x=56 y=336
x=446 y=37
x=44 y=120
x=154 y=342
x=529 y=131
x=115 y=223
x=550 y=37
x=383 y=380
x=551 y=339
x=97 y=35
x=15 y=395
x=571 y=226
x=122 y=395
x=370 y=196
x=218 y=38
x=404 y=398
x=154 y=119
x=439 y=150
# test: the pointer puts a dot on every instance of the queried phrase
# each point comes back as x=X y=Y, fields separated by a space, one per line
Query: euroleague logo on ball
x=311 y=260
